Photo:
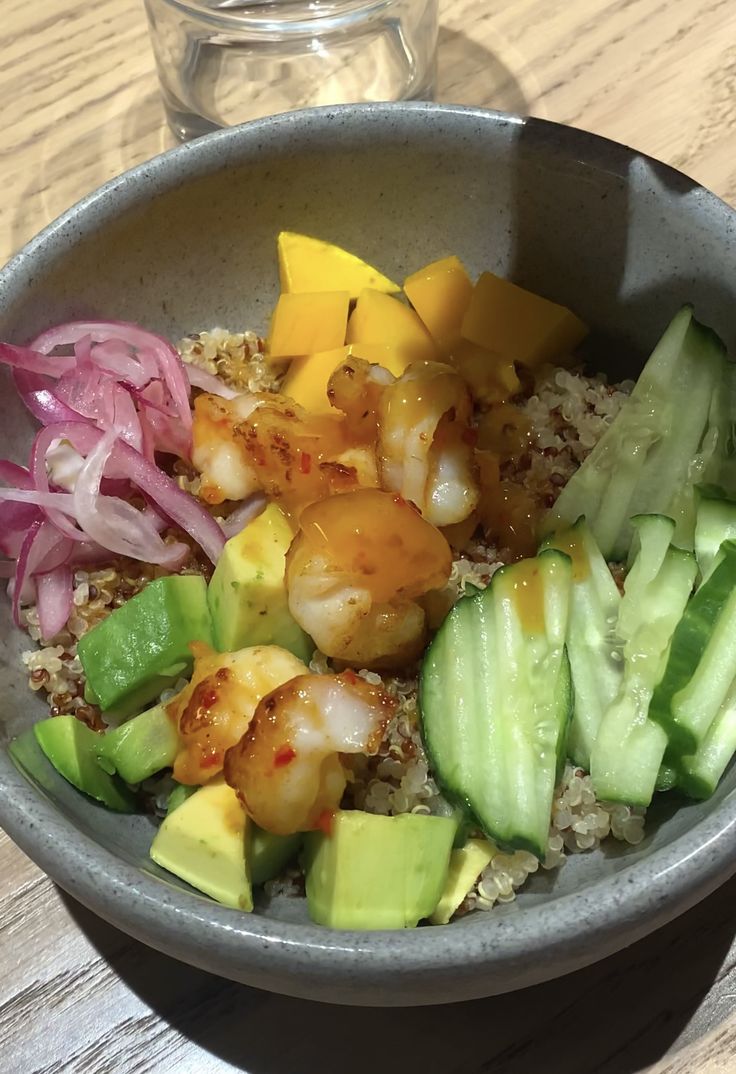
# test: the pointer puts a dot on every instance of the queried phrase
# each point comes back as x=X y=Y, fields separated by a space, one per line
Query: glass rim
x=276 y=16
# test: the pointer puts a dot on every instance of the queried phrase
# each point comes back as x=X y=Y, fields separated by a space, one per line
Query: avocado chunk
x=141 y=746
x=375 y=872
x=203 y=842
x=270 y=854
x=466 y=865
x=143 y=647
x=247 y=594
x=73 y=750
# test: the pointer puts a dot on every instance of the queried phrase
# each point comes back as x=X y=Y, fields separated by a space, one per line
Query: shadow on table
x=469 y=74
x=613 y=1018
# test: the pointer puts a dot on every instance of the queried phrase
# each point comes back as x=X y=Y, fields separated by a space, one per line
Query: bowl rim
x=566 y=932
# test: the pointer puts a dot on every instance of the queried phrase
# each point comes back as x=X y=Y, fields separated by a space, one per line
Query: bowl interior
x=187 y=242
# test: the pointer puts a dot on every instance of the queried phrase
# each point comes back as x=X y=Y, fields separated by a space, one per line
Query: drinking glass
x=222 y=62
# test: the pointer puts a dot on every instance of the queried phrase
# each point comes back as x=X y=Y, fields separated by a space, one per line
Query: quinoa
x=238 y=358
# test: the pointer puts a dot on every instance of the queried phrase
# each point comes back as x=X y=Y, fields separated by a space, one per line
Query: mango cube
x=491 y=378
x=307 y=323
x=440 y=293
x=518 y=325
x=307 y=377
x=307 y=264
x=379 y=318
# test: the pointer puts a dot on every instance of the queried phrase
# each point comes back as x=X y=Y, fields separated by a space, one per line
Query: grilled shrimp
x=213 y=712
x=355 y=388
x=226 y=474
x=286 y=768
x=425 y=442
x=270 y=444
x=355 y=571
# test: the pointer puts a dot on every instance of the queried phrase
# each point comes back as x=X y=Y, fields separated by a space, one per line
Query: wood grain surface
x=79 y=105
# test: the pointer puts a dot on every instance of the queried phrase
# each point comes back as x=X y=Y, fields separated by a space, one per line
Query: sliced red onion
x=169 y=363
x=83 y=438
x=40 y=398
x=175 y=503
x=200 y=378
x=114 y=358
x=55 y=501
x=15 y=521
x=13 y=474
x=21 y=570
x=54 y=598
x=242 y=515
x=115 y=523
x=33 y=361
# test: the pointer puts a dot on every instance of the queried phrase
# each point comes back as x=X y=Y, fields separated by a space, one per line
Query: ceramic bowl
x=187 y=241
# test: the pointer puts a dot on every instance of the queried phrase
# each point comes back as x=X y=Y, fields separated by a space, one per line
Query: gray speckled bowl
x=186 y=241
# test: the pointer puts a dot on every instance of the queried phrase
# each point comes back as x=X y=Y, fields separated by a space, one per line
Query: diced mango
x=518 y=325
x=307 y=376
x=491 y=378
x=379 y=318
x=306 y=379
x=307 y=264
x=307 y=323
x=440 y=293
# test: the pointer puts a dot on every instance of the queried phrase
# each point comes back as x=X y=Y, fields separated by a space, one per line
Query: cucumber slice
x=715 y=523
x=495 y=702
x=660 y=444
x=699 y=775
x=702 y=661
x=593 y=648
x=630 y=746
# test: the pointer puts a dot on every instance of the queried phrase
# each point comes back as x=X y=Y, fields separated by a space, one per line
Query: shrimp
x=355 y=388
x=270 y=444
x=286 y=769
x=355 y=571
x=425 y=442
x=213 y=712
x=226 y=475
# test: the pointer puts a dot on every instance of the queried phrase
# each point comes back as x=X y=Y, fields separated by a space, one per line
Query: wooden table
x=79 y=106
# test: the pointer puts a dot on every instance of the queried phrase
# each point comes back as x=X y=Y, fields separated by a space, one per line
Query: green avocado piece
x=270 y=854
x=247 y=594
x=375 y=872
x=73 y=750
x=140 y=747
x=203 y=841
x=466 y=865
x=142 y=648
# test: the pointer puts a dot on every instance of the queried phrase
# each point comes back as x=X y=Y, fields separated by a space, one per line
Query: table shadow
x=469 y=74
x=616 y=1017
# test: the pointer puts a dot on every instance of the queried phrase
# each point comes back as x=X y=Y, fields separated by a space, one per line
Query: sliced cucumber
x=698 y=775
x=715 y=523
x=645 y=460
x=493 y=700
x=702 y=661
x=629 y=747
x=592 y=645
